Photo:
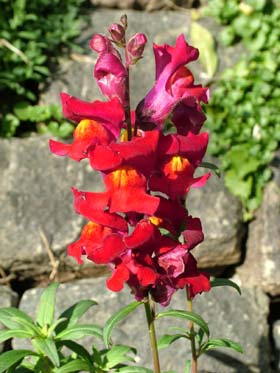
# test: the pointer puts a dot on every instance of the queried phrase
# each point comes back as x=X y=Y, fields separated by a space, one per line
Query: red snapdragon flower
x=174 y=84
x=102 y=125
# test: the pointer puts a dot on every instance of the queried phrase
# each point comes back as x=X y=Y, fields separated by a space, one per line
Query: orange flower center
x=87 y=129
x=155 y=220
x=126 y=176
x=177 y=165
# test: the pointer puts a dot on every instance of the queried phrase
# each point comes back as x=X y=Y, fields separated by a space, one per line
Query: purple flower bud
x=117 y=32
x=136 y=45
x=100 y=43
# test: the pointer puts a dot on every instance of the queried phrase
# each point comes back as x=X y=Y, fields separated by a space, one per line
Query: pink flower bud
x=123 y=20
x=136 y=45
x=100 y=43
x=117 y=32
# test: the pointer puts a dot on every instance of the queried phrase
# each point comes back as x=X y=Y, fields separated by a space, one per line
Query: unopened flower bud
x=136 y=45
x=100 y=43
x=117 y=32
x=123 y=20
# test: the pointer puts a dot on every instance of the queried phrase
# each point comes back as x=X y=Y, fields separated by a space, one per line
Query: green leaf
x=73 y=366
x=211 y=166
x=167 y=339
x=225 y=282
x=204 y=41
x=10 y=358
x=45 y=313
x=48 y=347
x=134 y=370
x=14 y=333
x=191 y=316
x=188 y=367
x=118 y=354
x=222 y=342
x=112 y=321
x=77 y=348
x=54 y=326
x=79 y=331
x=74 y=313
x=13 y=318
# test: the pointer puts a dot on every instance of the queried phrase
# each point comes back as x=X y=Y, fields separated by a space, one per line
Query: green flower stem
x=192 y=337
x=150 y=316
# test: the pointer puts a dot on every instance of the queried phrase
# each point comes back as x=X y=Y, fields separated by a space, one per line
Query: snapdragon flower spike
x=174 y=84
x=137 y=224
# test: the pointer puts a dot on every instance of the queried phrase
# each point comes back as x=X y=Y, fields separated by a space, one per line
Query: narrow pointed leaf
x=225 y=282
x=79 y=331
x=73 y=366
x=7 y=315
x=191 y=316
x=75 y=312
x=77 y=348
x=14 y=333
x=28 y=326
x=204 y=41
x=118 y=354
x=222 y=342
x=167 y=339
x=54 y=326
x=48 y=347
x=112 y=321
x=45 y=313
x=211 y=166
x=10 y=358
x=188 y=367
x=134 y=370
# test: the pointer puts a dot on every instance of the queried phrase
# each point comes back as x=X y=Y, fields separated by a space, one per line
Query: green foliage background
x=32 y=36
x=244 y=111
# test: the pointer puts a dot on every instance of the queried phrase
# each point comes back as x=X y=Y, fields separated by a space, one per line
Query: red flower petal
x=91 y=205
x=119 y=276
x=112 y=246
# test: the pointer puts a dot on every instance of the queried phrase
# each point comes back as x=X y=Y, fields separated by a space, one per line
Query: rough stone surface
x=76 y=77
x=36 y=199
x=221 y=217
x=8 y=298
x=262 y=262
x=276 y=339
x=241 y=318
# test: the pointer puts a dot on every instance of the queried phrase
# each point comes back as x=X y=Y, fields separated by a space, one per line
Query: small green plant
x=243 y=114
x=31 y=42
x=48 y=337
